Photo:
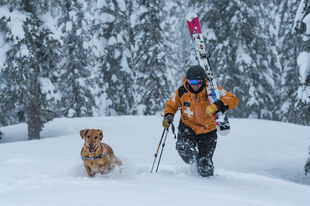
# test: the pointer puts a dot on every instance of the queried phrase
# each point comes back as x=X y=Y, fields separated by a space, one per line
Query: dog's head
x=92 y=138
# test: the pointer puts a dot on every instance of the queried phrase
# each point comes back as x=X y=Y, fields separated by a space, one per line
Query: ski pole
x=161 y=139
x=162 y=149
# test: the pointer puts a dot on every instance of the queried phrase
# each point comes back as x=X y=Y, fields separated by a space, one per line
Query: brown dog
x=97 y=156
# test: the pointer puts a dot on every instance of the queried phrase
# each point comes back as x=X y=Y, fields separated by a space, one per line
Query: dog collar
x=104 y=153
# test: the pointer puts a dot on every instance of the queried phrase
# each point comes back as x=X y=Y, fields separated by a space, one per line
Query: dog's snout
x=91 y=144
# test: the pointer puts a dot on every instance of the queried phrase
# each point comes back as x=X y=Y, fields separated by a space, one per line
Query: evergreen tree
x=27 y=89
x=302 y=29
x=289 y=47
x=74 y=79
x=153 y=87
x=307 y=166
x=180 y=53
x=115 y=76
x=243 y=58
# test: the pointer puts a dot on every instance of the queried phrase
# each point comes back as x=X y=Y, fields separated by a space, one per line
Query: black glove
x=168 y=119
x=221 y=107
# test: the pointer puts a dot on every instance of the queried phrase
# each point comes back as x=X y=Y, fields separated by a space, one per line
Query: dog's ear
x=83 y=132
x=100 y=134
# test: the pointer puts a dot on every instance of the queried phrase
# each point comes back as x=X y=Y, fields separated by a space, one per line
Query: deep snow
x=259 y=163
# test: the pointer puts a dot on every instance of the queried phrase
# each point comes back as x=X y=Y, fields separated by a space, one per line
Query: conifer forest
x=86 y=58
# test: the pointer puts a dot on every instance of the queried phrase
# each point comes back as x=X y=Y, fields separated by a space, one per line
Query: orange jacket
x=193 y=107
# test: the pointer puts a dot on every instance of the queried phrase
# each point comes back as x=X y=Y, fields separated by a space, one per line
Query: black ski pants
x=197 y=149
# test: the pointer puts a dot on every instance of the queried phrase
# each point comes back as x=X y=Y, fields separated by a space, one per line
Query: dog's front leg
x=88 y=170
x=103 y=167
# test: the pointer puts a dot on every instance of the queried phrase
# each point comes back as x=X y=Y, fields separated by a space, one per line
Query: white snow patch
x=101 y=3
x=303 y=62
x=260 y=163
x=133 y=20
x=120 y=39
x=242 y=56
x=24 y=51
x=71 y=112
x=114 y=78
x=141 y=109
x=269 y=79
x=121 y=5
x=106 y=17
x=47 y=87
x=306 y=20
x=285 y=106
x=68 y=26
x=112 y=41
x=117 y=53
x=299 y=13
x=253 y=99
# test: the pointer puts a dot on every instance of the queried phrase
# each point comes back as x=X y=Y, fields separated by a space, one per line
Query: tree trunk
x=34 y=126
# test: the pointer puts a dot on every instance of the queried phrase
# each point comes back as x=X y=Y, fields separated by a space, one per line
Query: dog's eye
x=88 y=136
x=96 y=137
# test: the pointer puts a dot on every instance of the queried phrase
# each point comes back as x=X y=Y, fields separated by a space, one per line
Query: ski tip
x=190 y=16
x=223 y=132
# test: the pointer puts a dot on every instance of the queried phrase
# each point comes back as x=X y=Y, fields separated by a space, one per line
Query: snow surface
x=259 y=163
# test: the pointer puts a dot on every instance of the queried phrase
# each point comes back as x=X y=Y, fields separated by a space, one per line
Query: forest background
x=85 y=58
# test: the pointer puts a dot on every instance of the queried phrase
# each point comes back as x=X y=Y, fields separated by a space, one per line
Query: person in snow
x=197 y=135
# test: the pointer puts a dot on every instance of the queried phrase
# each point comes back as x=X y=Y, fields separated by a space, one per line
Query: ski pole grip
x=169 y=119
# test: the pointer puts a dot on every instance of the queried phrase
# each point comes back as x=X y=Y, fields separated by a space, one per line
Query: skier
x=197 y=135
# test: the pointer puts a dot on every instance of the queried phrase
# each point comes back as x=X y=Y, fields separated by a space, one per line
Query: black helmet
x=196 y=72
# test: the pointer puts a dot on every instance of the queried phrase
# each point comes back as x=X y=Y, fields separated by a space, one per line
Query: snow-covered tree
x=302 y=28
x=74 y=79
x=289 y=47
x=128 y=56
x=307 y=165
x=180 y=55
x=112 y=29
x=152 y=85
x=33 y=54
x=242 y=40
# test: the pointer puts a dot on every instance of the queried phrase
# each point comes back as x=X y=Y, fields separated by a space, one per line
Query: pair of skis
x=220 y=119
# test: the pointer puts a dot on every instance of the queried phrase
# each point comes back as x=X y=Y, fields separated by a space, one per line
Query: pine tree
x=74 y=80
x=302 y=29
x=153 y=87
x=243 y=57
x=180 y=53
x=114 y=76
x=27 y=76
x=289 y=46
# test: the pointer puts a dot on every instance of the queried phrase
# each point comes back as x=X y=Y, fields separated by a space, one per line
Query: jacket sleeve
x=173 y=104
x=228 y=98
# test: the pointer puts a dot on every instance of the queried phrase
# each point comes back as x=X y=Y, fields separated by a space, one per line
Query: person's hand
x=212 y=109
x=168 y=119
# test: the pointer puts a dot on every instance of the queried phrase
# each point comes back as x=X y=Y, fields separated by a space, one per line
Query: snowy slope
x=258 y=163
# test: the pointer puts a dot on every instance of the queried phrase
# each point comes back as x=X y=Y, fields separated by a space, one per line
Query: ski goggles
x=195 y=82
